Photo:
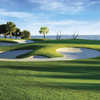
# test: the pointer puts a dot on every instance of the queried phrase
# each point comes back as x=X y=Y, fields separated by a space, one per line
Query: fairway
x=53 y=80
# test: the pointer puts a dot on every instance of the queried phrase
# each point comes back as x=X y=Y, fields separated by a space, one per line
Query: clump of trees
x=26 y=34
x=10 y=30
x=44 y=31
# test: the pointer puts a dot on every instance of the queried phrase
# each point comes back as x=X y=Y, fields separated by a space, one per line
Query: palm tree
x=44 y=31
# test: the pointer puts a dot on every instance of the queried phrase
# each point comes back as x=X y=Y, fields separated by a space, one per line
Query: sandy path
x=69 y=54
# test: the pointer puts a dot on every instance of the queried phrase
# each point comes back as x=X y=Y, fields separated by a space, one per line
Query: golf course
x=45 y=69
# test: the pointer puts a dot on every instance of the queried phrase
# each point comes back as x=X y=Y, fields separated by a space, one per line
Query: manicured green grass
x=69 y=41
x=49 y=50
x=78 y=80
x=60 y=80
x=8 y=40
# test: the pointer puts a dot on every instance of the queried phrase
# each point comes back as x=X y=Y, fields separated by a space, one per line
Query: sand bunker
x=69 y=54
x=78 y=53
x=6 y=44
x=24 y=41
x=13 y=54
x=17 y=42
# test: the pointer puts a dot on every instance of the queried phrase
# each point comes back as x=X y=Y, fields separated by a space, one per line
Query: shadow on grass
x=80 y=69
x=75 y=86
x=75 y=66
x=78 y=85
x=72 y=41
x=87 y=61
x=70 y=70
x=81 y=76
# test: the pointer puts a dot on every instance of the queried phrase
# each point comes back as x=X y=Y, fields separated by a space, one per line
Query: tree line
x=11 y=30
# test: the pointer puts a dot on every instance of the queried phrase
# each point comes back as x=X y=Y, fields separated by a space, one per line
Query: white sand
x=6 y=44
x=12 y=54
x=24 y=41
x=69 y=54
x=78 y=53
x=18 y=42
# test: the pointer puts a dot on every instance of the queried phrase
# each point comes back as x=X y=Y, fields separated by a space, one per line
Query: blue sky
x=66 y=16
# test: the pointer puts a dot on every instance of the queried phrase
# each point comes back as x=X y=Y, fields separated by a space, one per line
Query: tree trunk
x=44 y=36
x=10 y=35
x=5 y=36
x=16 y=37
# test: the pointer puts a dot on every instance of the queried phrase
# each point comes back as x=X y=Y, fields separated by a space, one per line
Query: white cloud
x=66 y=27
x=33 y=22
x=15 y=14
x=58 y=5
x=64 y=22
x=63 y=6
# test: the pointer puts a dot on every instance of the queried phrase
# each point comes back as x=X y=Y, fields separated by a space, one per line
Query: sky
x=65 y=16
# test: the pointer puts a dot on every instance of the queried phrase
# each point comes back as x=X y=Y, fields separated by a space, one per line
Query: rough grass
x=60 y=80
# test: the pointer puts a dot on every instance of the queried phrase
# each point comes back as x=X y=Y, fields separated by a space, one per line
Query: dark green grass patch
x=69 y=41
